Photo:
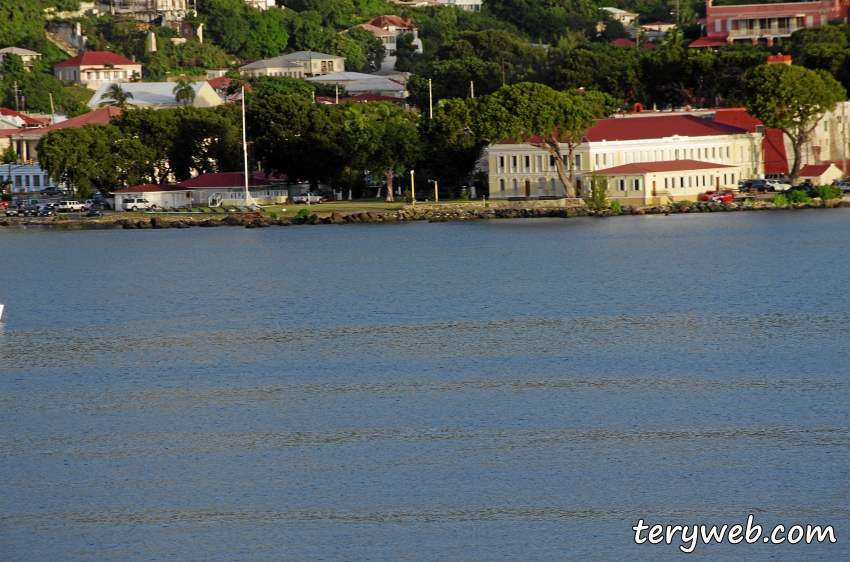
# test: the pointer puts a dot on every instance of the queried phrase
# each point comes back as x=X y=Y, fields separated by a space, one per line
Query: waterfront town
x=182 y=106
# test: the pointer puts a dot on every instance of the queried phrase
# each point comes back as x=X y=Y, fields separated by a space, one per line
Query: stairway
x=62 y=44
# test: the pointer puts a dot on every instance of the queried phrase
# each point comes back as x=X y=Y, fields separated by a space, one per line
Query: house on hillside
x=94 y=68
x=397 y=26
x=315 y=64
x=764 y=23
x=468 y=5
x=522 y=170
x=27 y=56
x=277 y=66
x=159 y=95
x=14 y=120
x=656 y=30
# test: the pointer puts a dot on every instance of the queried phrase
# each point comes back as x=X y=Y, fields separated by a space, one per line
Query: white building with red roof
x=93 y=68
x=522 y=170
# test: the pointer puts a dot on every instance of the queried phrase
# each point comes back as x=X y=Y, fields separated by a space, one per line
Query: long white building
x=522 y=170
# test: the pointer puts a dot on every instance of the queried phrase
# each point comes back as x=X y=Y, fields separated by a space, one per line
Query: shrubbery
x=828 y=192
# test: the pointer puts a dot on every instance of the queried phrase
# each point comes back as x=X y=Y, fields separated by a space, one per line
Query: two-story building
x=93 y=68
x=764 y=23
x=522 y=170
x=28 y=57
x=315 y=64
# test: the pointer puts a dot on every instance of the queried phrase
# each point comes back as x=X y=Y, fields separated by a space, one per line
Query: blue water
x=483 y=390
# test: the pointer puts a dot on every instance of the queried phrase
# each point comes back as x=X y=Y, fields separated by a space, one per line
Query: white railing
x=237 y=198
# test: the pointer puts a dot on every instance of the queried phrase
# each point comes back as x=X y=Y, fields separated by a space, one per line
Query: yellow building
x=659 y=183
x=523 y=170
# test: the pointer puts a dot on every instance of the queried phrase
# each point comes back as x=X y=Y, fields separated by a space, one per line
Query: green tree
x=298 y=138
x=537 y=115
x=206 y=141
x=66 y=154
x=12 y=63
x=184 y=92
x=115 y=95
x=450 y=149
x=791 y=99
x=598 y=199
x=385 y=137
x=155 y=130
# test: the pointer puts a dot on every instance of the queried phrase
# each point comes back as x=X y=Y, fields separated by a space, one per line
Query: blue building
x=26 y=177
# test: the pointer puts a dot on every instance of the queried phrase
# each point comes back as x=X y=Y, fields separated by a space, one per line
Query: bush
x=616 y=207
x=303 y=214
x=408 y=197
x=272 y=215
x=464 y=195
x=799 y=197
x=598 y=199
x=828 y=192
x=780 y=199
x=6 y=197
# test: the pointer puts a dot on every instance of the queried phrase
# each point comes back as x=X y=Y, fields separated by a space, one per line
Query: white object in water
x=1 y=311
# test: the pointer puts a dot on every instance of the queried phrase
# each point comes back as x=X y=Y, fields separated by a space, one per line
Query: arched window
x=516 y=190
x=541 y=186
x=502 y=185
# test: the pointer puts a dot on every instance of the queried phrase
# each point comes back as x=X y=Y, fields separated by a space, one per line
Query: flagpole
x=245 y=148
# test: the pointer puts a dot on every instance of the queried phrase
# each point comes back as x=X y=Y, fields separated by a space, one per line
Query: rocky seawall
x=432 y=213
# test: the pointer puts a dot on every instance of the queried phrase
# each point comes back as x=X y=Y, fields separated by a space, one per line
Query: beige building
x=620 y=141
x=315 y=64
x=93 y=68
x=658 y=183
x=277 y=66
x=27 y=56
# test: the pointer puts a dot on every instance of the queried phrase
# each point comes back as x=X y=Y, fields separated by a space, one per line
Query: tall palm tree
x=184 y=92
x=116 y=95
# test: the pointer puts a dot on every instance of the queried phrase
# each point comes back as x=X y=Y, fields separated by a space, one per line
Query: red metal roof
x=101 y=116
x=98 y=58
x=623 y=42
x=220 y=82
x=710 y=42
x=386 y=21
x=653 y=127
x=814 y=170
x=667 y=166
x=222 y=180
x=28 y=120
x=773 y=141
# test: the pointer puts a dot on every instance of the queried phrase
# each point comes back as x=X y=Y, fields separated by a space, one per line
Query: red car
x=724 y=196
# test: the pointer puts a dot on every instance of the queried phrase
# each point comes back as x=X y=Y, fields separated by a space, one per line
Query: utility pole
x=17 y=108
x=472 y=89
x=844 y=138
x=436 y=193
x=430 y=101
x=52 y=110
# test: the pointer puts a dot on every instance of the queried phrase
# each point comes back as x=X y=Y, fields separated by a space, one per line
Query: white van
x=69 y=207
x=137 y=204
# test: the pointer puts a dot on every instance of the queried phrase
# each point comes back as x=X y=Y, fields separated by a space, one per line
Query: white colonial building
x=522 y=170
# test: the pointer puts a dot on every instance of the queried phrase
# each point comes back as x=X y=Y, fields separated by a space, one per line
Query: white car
x=778 y=185
x=137 y=204
x=307 y=198
x=843 y=186
x=69 y=207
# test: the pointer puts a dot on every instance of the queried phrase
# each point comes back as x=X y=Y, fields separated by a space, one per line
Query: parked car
x=46 y=212
x=95 y=210
x=12 y=211
x=69 y=207
x=51 y=191
x=843 y=185
x=721 y=195
x=807 y=189
x=138 y=204
x=44 y=205
x=28 y=210
x=777 y=185
x=307 y=198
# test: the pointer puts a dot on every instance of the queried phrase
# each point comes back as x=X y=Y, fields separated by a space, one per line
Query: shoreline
x=411 y=213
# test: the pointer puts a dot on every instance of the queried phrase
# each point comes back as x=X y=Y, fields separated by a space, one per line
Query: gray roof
x=18 y=51
x=276 y=62
x=341 y=77
x=309 y=55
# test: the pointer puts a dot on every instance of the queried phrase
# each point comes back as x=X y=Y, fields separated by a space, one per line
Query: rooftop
x=222 y=180
x=391 y=21
x=667 y=166
x=148 y=94
x=96 y=58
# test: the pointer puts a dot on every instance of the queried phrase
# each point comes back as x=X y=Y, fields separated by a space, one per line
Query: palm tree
x=184 y=92
x=116 y=95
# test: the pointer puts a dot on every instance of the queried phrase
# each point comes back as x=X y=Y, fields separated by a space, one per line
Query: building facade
x=94 y=68
x=277 y=66
x=315 y=64
x=27 y=56
x=516 y=169
x=764 y=23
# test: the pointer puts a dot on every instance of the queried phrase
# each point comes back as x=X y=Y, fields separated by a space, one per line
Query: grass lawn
x=346 y=207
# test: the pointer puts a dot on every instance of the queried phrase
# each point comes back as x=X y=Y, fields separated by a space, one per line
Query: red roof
x=222 y=180
x=815 y=170
x=773 y=141
x=220 y=82
x=657 y=127
x=386 y=21
x=148 y=188
x=668 y=166
x=623 y=42
x=738 y=117
x=101 y=116
x=654 y=127
x=27 y=120
x=97 y=58
x=711 y=42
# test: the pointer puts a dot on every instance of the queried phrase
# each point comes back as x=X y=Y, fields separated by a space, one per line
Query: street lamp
x=412 y=189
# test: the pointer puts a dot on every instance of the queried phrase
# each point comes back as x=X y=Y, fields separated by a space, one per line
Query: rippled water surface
x=487 y=390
